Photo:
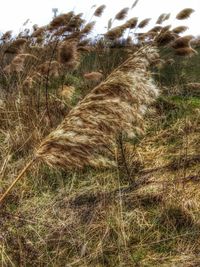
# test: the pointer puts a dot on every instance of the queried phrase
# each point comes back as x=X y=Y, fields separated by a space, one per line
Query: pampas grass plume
x=99 y=11
x=122 y=14
x=87 y=135
x=131 y=23
x=180 y=29
x=143 y=23
x=67 y=53
x=185 y=13
x=182 y=42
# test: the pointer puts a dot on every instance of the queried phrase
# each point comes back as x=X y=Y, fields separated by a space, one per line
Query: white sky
x=15 y=12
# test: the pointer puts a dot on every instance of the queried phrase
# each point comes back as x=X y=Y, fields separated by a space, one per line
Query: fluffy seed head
x=99 y=11
x=180 y=29
x=61 y=20
x=122 y=14
x=143 y=23
x=67 y=53
x=165 y=38
x=87 y=135
x=185 y=13
x=182 y=42
x=131 y=23
x=66 y=92
x=88 y=28
x=116 y=32
x=162 y=18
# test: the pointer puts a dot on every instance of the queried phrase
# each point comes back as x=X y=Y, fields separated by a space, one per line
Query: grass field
x=142 y=211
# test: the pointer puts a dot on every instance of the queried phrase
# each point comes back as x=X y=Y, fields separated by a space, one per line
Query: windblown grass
x=144 y=209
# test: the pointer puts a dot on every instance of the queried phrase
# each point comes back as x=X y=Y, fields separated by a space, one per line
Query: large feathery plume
x=185 y=13
x=122 y=14
x=99 y=11
x=87 y=136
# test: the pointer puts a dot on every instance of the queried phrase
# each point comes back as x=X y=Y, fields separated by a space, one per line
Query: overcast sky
x=15 y=12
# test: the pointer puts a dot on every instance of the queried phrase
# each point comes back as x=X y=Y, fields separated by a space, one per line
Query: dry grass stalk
x=109 y=24
x=134 y=4
x=99 y=11
x=185 y=13
x=122 y=14
x=87 y=135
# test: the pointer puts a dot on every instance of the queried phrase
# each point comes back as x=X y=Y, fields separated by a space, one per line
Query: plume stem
x=28 y=165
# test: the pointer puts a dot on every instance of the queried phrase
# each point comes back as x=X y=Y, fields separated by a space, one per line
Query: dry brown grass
x=144 y=209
